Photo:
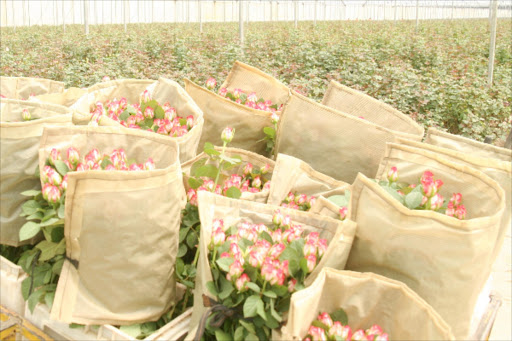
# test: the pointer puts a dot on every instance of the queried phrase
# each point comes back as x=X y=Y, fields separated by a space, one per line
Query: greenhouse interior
x=255 y=170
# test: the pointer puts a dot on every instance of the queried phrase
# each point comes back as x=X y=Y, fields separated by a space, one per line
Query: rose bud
x=336 y=329
x=276 y=250
x=190 y=121
x=274 y=118
x=211 y=83
x=321 y=247
x=325 y=318
x=381 y=337
x=456 y=198
x=374 y=330
x=25 y=115
x=265 y=169
x=266 y=186
x=123 y=104
x=393 y=174
x=190 y=194
x=252 y=97
x=223 y=92
x=439 y=183
x=64 y=183
x=73 y=155
x=218 y=237
x=217 y=223
x=301 y=199
x=311 y=262
x=45 y=190
x=359 y=335
x=436 y=202
x=134 y=167
x=256 y=182
x=287 y=221
x=460 y=212
x=54 y=178
x=256 y=258
x=237 y=93
x=53 y=194
x=277 y=219
x=450 y=210
x=310 y=248
x=54 y=156
x=343 y=213
x=317 y=333
x=346 y=333
x=291 y=284
x=426 y=175
x=227 y=134
x=149 y=165
x=81 y=167
x=235 y=270
x=429 y=187
x=145 y=97
x=247 y=169
x=241 y=282
x=149 y=112
x=93 y=155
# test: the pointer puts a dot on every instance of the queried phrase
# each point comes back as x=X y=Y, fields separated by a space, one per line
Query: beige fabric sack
x=66 y=98
x=367 y=299
x=463 y=144
x=23 y=87
x=249 y=78
x=339 y=235
x=121 y=229
x=294 y=175
x=19 y=142
x=500 y=171
x=445 y=260
x=163 y=90
x=257 y=161
x=357 y=103
x=220 y=112
x=333 y=143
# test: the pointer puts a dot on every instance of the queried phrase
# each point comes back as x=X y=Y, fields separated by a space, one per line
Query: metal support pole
x=199 y=16
x=241 y=22
x=295 y=13
x=86 y=17
x=492 y=46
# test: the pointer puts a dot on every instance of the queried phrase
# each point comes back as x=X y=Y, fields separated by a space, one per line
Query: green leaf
x=394 y=194
x=248 y=326
x=339 y=200
x=251 y=337
x=254 y=287
x=183 y=233
x=289 y=254
x=294 y=266
x=133 y=330
x=304 y=265
x=61 y=167
x=29 y=230
x=38 y=215
x=124 y=115
x=210 y=149
x=34 y=299
x=270 y=294
x=252 y=306
x=159 y=112
x=48 y=250
x=266 y=236
x=233 y=192
x=230 y=160
x=61 y=212
x=231 y=96
x=271 y=322
x=48 y=299
x=30 y=193
x=239 y=333
x=212 y=289
x=30 y=207
x=220 y=335
x=195 y=183
x=280 y=290
x=413 y=200
x=270 y=131
x=224 y=263
x=196 y=165
x=51 y=221
x=25 y=287
x=182 y=251
x=208 y=171
x=274 y=313
x=192 y=240
x=76 y=325
x=320 y=324
x=57 y=234
x=341 y=316
x=226 y=288
x=48 y=214
x=57 y=266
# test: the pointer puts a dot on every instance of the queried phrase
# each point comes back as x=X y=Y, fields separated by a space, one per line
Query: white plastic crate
x=174 y=330
x=11 y=276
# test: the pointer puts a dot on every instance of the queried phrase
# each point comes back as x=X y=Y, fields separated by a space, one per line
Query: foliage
x=437 y=75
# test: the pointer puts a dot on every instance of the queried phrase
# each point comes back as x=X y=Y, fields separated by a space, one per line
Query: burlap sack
x=294 y=175
x=163 y=90
x=19 y=141
x=464 y=144
x=257 y=161
x=334 y=143
x=339 y=235
x=121 y=229
x=367 y=299
x=23 y=87
x=66 y=98
x=248 y=78
x=445 y=260
x=357 y=103
x=220 y=112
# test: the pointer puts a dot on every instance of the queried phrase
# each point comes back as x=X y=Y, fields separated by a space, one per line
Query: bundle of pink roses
x=298 y=201
x=148 y=115
x=256 y=268
x=327 y=328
